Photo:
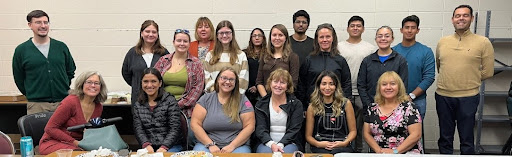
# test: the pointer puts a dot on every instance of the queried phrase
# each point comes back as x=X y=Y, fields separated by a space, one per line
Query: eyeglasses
x=226 y=79
x=42 y=22
x=301 y=22
x=257 y=35
x=182 y=31
x=90 y=83
x=383 y=36
x=224 y=33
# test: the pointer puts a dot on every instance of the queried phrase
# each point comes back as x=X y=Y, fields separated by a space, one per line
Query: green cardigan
x=39 y=78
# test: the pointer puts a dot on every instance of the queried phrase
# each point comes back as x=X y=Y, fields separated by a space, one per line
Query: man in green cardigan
x=42 y=67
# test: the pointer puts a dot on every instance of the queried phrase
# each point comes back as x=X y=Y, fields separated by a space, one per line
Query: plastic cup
x=64 y=152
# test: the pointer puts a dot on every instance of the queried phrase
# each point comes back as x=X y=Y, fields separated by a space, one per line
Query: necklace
x=325 y=105
x=386 y=115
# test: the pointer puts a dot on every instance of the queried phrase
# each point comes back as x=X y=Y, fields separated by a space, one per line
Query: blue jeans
x=460 y=112
x=175 y=148
x=242 y=149
x=290 y=148
x=422 y=106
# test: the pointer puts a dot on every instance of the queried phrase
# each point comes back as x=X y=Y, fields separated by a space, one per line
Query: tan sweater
x=463 y=61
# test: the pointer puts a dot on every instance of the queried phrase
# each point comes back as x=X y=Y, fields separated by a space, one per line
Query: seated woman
x=156 y=115
x=330 y=119
x=279 y=115
x=82 y=104
x=223 y=120
x=393 y=124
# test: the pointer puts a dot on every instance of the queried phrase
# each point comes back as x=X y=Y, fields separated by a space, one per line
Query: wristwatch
x=210 y=144
x=395 y=151
x=412 y=96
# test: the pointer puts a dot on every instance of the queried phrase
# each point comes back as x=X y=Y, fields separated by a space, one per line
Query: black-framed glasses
x=182 y=31
x=227 y=33
x=257 y=35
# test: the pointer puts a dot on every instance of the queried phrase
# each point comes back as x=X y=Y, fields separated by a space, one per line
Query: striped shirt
x=211 y=71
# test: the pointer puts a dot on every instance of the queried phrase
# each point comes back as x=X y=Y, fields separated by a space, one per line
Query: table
x=407 y=155
x=75 y=153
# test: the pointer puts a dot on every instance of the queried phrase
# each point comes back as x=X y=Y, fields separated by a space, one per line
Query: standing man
x=463 y=60
x=354 y=49
x=302 y=45
x=420 y=59
x=42 y=67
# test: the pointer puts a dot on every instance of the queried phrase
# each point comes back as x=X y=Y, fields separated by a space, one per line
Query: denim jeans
x=422 y=106
x=242 y=149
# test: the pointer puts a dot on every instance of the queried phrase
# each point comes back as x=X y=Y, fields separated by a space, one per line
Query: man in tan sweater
x=463 y=60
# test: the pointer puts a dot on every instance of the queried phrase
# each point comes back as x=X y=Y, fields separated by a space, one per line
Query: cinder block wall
x=99 y=32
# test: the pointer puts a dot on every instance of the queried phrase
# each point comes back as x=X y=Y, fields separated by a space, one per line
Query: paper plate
x=192 y=154
x=88 y=154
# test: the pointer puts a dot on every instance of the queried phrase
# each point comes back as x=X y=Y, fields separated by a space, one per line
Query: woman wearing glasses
x=257 y=47
x=156 y=116
x=279 y=56
x=375 y=64
x=143 y=55
x=204 y=35
x=223 y=121
x=226 y=53
x=82 y=104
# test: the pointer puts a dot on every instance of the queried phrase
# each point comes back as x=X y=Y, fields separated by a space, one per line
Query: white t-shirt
x=277 y=123
x=354 y=54
x=148 y=57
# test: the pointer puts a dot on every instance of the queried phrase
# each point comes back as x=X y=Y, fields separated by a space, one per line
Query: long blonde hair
x=401 y=96
x=218 y=48
x=317 y=99
x=232 y=107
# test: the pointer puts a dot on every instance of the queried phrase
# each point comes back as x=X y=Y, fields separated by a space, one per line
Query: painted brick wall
x=99 y=33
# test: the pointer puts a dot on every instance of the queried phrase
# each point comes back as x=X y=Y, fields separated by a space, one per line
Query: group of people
x=269 y=97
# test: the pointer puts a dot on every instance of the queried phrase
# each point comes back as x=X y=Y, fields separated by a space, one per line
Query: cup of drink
x=64 y=152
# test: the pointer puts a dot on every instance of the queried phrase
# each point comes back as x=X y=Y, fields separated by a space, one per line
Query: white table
x=407 y=155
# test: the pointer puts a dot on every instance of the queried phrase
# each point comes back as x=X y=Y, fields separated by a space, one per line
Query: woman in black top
x=257 y=47
x=330 y=119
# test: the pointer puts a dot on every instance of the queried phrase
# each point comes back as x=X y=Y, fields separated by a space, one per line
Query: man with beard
x=354 y=49
x=463 y=60
x=42 y=66
x=302 y=45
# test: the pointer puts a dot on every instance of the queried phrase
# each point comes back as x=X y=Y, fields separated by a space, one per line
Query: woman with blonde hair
x=279 y=115
x=204 y=35
x=223 y=121
x=226 y=53
x=393 y=123
x=330 y=118
x=279 y=55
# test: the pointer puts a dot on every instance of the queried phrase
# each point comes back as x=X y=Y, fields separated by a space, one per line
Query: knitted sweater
x=463 y=61
x=211 y=71
x=43 y=79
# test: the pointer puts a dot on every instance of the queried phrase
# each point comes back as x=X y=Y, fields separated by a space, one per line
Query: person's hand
x=75 y=142
x=214 y=149
x=150 y=149
x=338 y=144
x=410 y=99
x=253 y=89
x=387 y=151
x=227 y=149
x=323 y=144
x=161 y=150
x=276 y=148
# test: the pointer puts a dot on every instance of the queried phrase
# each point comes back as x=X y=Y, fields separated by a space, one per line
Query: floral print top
x=392 y=131
x=201 y=52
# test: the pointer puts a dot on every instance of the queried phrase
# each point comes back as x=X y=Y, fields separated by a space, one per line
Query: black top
x=328 y=126
x=302 y=48
x=253 y=69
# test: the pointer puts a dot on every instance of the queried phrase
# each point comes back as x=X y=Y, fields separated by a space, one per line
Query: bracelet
x=210 y=144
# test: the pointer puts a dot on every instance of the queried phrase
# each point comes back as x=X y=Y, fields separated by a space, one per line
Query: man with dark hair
x=463 y=60
x=420 y=59
x=42 y=66
x=354 y=50
x=301 y=44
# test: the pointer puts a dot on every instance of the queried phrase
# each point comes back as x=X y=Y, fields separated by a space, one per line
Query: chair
x=184 y=130
x=33 y=125
x=6 y=146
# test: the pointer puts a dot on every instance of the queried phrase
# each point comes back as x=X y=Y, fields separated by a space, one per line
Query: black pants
x=334 y=151
x=460 y=112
